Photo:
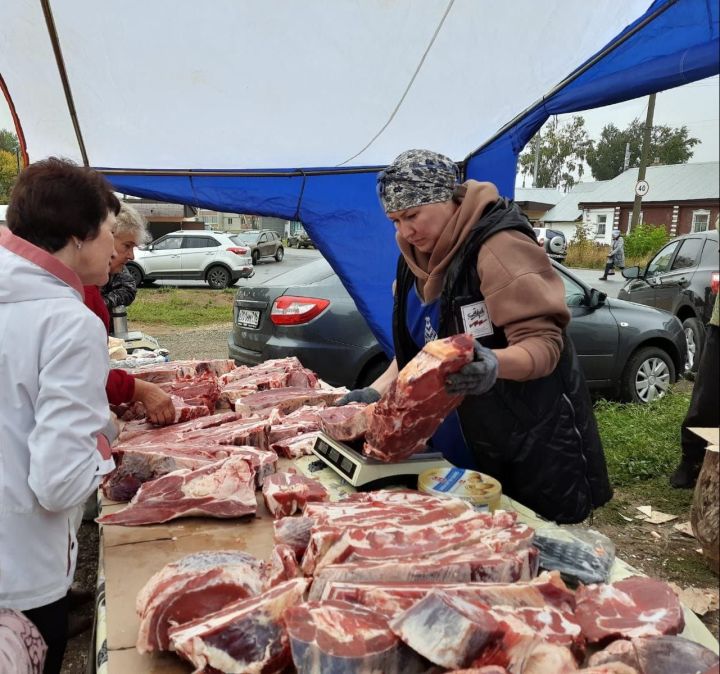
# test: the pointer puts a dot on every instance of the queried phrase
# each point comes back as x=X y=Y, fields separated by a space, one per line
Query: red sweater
x=120 y=386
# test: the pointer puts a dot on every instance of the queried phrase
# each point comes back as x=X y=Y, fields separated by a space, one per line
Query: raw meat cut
x=281 y=566
x=296 y=423
x=250 y=431
x=185 y=411
x=293 y=532
x=144 y=432
x=610 y=668
x=346 y=423
x=448 y=631
x=245 y=636
x=285 y=400
x=403 y=420
x=455 y=567
x=634 y=607
x=137 y=465
x=192 y=587
x=548 y=589
x=334 y=637
x=183 y=369
x=286 y=493
x=490 y=669
x=204 y=391
x=221 y=489
x=657 y=655
x=296 y=446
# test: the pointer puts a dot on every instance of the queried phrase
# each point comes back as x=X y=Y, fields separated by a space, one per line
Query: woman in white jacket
x=55 y=424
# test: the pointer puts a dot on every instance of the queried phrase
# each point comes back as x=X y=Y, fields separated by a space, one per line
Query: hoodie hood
x=30 y=273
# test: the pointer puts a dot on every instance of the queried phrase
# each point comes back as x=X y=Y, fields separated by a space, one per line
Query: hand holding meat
x=477 y=377
x=365 y=395
x=158 y=404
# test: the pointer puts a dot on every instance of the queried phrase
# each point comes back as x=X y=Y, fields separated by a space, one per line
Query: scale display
x=361 y=471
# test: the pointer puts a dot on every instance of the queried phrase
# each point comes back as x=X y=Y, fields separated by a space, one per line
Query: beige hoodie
x=523 y=294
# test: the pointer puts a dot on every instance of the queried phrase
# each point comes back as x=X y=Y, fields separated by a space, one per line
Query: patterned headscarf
x=416 y=178
x=22 y=649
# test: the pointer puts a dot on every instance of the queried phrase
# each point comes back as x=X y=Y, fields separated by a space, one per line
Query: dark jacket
x=538 y=437
x=119 y=290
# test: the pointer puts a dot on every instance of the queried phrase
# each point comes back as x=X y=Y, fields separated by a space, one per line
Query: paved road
x=592 y=277
x=265 y=270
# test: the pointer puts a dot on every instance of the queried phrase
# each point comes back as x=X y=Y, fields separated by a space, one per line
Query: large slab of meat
x=141 y=432
x=183 y=369
x=630 y=608
x=346 y=423
x=192 y=587
x=285 y=400
x=296 y=446
x=335 y=636
x=403 y=420
x=199 y=392
x=287 y=493
x=658 y=655
x=251 y=431
x=464 y=566
x=245 y=636
x=281 y=566
x=293 y=532
x=222 y=489
x=390 y=599
x=185 y=411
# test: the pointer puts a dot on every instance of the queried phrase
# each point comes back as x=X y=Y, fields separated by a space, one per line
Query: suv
x=262 y=243
x=683 y=279
x=301 y=240
x=215 y=257
x=553 y=241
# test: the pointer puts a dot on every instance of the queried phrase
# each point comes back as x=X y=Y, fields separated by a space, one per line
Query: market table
x=129 y=556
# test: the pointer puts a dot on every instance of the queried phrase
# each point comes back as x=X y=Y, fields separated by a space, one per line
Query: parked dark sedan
x=683 y=279
x=626 y=350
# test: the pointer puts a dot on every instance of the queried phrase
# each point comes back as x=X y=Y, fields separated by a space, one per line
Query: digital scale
x=138 y=340
x=365 y=473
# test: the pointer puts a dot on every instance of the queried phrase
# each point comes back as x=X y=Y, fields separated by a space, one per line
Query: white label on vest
x=476 y=319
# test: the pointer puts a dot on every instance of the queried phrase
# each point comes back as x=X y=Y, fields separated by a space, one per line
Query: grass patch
x=641 y=441
x=182 y=307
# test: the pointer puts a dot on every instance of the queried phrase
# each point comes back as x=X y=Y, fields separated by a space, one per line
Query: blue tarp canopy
x=289 y=109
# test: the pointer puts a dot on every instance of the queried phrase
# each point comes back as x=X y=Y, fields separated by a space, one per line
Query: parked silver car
x=215 y=257
x=626 y=350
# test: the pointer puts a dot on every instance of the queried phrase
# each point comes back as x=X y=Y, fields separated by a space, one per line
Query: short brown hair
x=55 y=199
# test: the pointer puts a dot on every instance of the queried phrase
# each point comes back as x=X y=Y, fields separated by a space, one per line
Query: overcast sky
x=695 y=105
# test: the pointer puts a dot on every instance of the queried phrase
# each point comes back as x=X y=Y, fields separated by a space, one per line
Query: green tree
x=8 y=173
x=8 y=141
x=562 y=154
x=668 y=145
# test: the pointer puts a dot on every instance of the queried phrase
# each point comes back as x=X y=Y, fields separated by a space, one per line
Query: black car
x=625 y=350
x=683 y=279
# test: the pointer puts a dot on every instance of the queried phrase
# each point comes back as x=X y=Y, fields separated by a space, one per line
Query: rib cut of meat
x=448 y=631
x=334 y=636
x=144 y=433
x=245 y=636
x=281 y=566
x=456 y=567
x=295 y=446
x=183 y=369
x=184 y=411
x=293 y=532
x=658 y=655
x=634 y=607
x=286 y=493
x=285 y=400
x=192 y=587
x=221 y=489
x=403 y=420
x=548 y=589
x=204 y=391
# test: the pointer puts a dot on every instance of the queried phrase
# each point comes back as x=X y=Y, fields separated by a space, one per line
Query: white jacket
x=53 y=414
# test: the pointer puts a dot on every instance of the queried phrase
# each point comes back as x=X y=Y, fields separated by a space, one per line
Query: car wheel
x=135 y=273
x=695 y=338
x=255 y=256
x=218 y=278
x=648 y=375
x=279 y=254
x=371 y=372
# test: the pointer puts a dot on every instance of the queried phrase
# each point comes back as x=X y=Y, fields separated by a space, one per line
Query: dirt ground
x=657 y=550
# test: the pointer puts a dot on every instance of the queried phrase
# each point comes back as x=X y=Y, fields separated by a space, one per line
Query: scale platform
x=138 y=340
x=364 y=473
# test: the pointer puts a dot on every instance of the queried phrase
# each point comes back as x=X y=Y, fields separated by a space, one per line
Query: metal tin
x=481 y=490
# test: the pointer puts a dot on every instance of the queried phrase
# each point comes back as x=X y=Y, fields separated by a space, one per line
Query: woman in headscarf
x=616 y=256
x=470 y=263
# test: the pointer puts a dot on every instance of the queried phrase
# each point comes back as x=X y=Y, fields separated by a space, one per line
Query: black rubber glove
x=365 y=395
x=477 y=377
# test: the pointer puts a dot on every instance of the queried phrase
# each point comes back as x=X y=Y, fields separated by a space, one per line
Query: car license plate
x=248 y=318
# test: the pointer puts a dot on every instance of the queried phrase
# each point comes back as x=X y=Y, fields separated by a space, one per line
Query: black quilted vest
x=538 y=437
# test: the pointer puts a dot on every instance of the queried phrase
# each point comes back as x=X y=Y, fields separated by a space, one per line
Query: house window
x=601 y=223
x=700 y=221
x=230 y=220
x=211 y=219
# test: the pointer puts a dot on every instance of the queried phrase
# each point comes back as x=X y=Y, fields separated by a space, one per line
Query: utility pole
x=644 y=152
x=537 y=159
x=626 y=163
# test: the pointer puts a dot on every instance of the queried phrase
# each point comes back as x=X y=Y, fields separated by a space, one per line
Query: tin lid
x=460 y=482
